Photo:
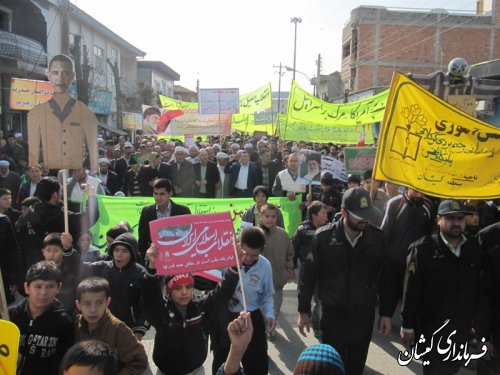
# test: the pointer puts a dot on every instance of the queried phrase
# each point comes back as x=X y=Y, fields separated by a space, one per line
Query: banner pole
x=239 y=275
x=65 y=199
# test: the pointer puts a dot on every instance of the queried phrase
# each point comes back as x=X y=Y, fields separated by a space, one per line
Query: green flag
x=112 y=210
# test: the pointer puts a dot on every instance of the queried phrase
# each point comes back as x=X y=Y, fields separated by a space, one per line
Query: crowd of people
x=362 y=246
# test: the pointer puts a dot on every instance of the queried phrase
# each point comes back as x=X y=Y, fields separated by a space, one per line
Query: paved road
x=284 y=351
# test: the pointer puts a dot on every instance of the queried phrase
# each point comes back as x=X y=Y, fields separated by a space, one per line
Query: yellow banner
x=9 y=345
x=429 y=145
x=256 y=101
x=306 y=108
x=170 y=103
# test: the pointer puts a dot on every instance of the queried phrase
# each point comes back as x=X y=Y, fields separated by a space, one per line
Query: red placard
x=191 y=243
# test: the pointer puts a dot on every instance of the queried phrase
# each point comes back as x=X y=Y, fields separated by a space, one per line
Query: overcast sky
x=235 y=43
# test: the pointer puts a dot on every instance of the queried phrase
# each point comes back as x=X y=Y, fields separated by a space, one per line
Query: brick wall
x=417 y=46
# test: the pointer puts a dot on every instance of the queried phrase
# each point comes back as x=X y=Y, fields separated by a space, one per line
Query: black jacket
x=48 y=218
x=489 y=241
x=10 y=257
x=440 y=286
x=349 y=279
x=212 y=177
x=148 y=214
x=405 y=222
x=44 y=340
x=302 y=241
x=181 y=344
x=125 y=284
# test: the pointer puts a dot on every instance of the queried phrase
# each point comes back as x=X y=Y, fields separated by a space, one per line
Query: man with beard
x=347 y=264
x=442 y=295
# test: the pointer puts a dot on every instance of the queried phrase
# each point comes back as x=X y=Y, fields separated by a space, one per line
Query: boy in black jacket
x=181 y=341
x=46 y=328
x=124 y=275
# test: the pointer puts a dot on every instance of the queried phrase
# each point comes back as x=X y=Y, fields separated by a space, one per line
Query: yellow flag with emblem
x=9 y=345
x=429 y=145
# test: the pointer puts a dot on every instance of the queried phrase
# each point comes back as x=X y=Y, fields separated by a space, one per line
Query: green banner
x=358 y=160
x=256 y=101
x=112 y=210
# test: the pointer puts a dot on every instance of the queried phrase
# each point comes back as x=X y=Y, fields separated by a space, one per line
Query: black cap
x=452 y=207
x=354 y=178
x=357 y=202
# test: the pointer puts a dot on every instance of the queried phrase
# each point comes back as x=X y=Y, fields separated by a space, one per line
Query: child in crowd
x=90 y=357
x=181 y=323
x=45 y=326
x=97 y=322
x=88 y=252
x=53 y=250
x=124 y=275
x=280 y=253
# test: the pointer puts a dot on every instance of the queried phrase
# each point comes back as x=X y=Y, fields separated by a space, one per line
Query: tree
x=82 y=70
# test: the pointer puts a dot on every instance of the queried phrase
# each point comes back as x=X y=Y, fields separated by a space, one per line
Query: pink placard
x=191 y=243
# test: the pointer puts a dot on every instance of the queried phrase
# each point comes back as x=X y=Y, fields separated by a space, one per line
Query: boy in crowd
x=181 y=323
x=124 y=275
x=53 y=250
x=97 y=322
x=90 y=357
x=280 y=253
x=45 y=326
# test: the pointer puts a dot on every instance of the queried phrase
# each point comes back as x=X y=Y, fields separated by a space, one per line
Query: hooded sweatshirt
x=44 y=340
x=125 y=284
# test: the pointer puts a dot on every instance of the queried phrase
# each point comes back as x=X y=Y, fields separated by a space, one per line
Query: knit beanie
x=320 y=359
x=182 y=278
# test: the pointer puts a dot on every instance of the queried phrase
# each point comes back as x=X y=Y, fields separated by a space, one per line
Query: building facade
x=377 y=41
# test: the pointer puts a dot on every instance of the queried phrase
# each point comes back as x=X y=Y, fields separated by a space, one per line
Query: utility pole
x=279 y=96
x=318 y=74
x=64 y=11
x=295 y=20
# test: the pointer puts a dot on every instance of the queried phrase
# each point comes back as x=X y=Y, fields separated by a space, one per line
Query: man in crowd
x=207 y=176
x=443 y=297
x=347 y=264
x=243 y=176
x=28 y=188
x=287 y=182
x=163 y=207
x=109 y=179
x=182 y=172
x=268 y=169
x=223 y=185
x=8 y=179
x=407 y=218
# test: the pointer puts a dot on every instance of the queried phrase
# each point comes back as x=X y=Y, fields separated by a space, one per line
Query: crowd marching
x=362 y=247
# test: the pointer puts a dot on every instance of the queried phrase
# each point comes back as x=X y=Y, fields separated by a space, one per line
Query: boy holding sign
x=181 y=340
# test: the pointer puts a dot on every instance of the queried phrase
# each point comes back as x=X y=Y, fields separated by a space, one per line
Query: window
x=99 y=59
x=346 y=50
x=5 y=19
